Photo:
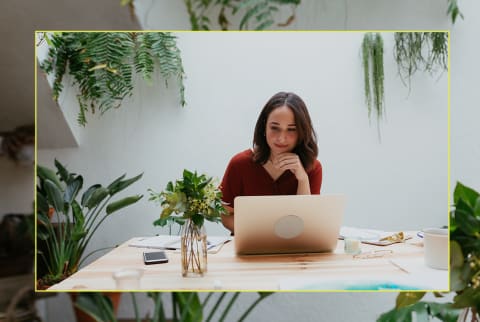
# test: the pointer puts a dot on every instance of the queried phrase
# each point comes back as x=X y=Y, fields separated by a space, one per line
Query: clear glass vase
x=194 y=250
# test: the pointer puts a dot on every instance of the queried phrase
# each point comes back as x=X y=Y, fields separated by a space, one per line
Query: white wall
x=465 y=147
x=230 y=77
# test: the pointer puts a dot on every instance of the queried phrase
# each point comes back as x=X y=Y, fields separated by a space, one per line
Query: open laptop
x=287 y=224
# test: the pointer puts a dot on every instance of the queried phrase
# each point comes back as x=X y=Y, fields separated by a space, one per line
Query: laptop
x=287 y=224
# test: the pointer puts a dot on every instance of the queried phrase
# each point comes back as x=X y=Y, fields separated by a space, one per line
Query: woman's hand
x=290 y=161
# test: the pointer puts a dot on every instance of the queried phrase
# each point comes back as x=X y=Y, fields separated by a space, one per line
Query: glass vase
x=193 y=249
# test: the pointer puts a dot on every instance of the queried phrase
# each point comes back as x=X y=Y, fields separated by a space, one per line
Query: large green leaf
x=54 y=195
x=45 y=173
x=62 y=171
x=97 y=196
x=189 y=306
x=116 y=181
x=466 y=222
x=88 y=194
x=408 y=298
x=456 y=255
x=119 y=204
x=96 y=305
x=466 y=194
x=122 y=184
x=73 y=187
x=42 y=204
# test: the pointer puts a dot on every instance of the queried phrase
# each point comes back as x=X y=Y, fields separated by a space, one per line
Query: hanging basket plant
x=420 y=51
x=103 y=64
x=372 y=58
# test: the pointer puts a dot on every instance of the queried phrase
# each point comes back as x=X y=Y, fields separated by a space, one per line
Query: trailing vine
x=257 y=14
x=103 y=63
x=424 y=51
x=372 y=57
x=198 y=12
x=453 y=10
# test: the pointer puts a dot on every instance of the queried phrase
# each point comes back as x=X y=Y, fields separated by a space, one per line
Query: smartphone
x=155 y=258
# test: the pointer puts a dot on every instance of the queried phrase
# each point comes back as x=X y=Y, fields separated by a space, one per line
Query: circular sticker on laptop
x=288 y=227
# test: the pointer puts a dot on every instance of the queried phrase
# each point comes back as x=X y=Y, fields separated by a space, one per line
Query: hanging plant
x=424 y=51
x=372 y=58
x=103 y=63
x=453 y=10
x=257 y=14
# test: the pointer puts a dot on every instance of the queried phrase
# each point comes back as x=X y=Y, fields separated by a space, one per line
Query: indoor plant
x=464 y=268
x=186 y=306
x=190 y=201
x=76 y=220
x=103 y=65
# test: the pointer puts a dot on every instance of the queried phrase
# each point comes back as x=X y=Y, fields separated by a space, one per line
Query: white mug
x=435 y=243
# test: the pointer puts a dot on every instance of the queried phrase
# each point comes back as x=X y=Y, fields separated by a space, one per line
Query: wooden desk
x=227 y=271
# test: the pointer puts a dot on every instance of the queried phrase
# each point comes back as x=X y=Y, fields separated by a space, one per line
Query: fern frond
x=102 y=65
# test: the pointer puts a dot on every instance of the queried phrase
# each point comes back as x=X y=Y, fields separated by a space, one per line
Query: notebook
x=287 y=224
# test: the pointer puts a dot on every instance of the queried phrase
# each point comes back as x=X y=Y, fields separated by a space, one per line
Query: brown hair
x=306 y=148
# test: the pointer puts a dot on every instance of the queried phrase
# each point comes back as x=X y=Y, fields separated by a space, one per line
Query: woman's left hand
x=290 y=161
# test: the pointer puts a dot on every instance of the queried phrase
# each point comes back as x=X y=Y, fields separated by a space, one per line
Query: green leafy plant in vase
x=66 y=236
x=189 y=202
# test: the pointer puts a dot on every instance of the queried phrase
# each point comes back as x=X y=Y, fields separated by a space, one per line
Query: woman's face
x=281 y=130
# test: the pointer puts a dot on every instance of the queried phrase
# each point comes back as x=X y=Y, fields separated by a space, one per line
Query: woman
x=283 y=160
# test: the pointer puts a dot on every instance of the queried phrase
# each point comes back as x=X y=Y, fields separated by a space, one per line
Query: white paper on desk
x=173 y=242
x=370 y=235
x=435 y=279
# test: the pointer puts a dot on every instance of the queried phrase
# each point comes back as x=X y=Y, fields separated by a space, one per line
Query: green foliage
x=464 y=266
x=424 y=51
x=193 y=197
x=453 y=10
x=103 y=63
x=66 y=242
x=186 y=306
x=421 y=311
x=97 y=305
x=257 y=14
x=372 y=58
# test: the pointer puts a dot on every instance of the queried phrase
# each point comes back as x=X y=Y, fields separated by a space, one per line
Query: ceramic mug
x=435 y=243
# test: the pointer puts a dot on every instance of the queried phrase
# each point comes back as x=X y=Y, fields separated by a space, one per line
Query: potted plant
x=190 y=201
x=186 y=306
x=76 y=221
x=464 y=268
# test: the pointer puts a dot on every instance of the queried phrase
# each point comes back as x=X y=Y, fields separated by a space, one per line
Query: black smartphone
x=155 y=258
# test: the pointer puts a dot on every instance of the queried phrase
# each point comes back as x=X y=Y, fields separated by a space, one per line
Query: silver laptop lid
x=287 y=224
